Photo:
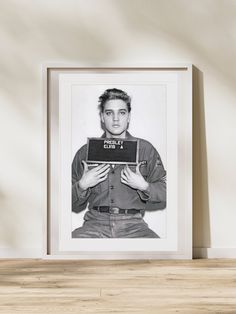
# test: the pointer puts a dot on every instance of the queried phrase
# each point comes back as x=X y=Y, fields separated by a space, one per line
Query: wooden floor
x=40 y=286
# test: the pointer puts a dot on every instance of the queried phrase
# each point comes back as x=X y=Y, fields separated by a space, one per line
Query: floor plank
x=47 y=286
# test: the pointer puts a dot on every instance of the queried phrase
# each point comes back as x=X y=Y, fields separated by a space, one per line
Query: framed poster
x=119 y=156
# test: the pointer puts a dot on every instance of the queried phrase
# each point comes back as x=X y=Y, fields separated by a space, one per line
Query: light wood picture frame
x=161 y=113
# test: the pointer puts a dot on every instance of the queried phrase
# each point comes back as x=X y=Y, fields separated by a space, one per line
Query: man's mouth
x=115 y=125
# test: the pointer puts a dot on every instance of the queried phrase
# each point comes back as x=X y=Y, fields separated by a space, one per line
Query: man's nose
x=115 y=117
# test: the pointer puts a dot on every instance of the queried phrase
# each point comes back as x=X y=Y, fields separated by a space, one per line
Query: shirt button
x=112 y=201
x=112 y=187
x=112 y=172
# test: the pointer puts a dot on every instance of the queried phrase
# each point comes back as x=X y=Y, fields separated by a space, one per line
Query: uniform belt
x=116 y=210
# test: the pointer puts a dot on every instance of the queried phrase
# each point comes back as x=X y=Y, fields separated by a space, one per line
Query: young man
x=117 y=195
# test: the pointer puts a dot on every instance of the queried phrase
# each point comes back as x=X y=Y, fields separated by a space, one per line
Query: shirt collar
x=128 y=136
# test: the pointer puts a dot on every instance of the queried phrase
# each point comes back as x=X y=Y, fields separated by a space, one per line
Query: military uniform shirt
x=113 y=193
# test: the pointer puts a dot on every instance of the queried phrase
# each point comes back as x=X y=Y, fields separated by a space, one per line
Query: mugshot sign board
x=113 y=151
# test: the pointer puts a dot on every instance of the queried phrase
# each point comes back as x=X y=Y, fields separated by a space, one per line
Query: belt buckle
x=114 y=210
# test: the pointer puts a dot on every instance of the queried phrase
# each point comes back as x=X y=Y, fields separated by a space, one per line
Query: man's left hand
x=134 y=179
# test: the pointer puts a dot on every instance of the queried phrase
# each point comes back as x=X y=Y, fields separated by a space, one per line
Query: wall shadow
x=66 y=33
x=201 y=211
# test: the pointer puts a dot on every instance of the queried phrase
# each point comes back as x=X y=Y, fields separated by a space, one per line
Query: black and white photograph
x=117 y=161
x=124 y=177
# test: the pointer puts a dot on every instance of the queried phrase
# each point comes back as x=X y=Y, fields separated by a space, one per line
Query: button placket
x=111 y=187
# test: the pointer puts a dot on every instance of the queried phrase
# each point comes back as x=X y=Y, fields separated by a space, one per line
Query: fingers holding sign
x=133 y=179
x=92 y=177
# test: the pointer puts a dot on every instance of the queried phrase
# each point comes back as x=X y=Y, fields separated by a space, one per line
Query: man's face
x=115 y=118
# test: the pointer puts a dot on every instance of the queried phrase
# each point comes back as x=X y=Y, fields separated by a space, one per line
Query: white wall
x=143 y=32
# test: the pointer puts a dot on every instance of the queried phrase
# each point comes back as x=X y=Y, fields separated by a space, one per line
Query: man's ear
x=129 y=117
x=101 y=117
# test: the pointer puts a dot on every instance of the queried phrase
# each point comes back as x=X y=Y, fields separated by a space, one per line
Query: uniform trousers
x=106 y=225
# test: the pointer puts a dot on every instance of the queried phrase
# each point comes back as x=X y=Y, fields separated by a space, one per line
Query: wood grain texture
x=47 y=286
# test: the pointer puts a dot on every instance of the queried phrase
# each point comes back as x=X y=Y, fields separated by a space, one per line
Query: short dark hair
x=114 y=93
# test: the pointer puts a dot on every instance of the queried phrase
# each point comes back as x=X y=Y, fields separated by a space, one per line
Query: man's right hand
x=93 y=176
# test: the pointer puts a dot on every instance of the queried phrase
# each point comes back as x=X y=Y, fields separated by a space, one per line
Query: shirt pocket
x=143 y=170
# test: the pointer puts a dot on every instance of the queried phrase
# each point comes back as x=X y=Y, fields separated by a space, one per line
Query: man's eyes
x=109 y=113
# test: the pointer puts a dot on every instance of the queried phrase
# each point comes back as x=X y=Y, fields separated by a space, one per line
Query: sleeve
x=79 y=197
x=156 y=177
